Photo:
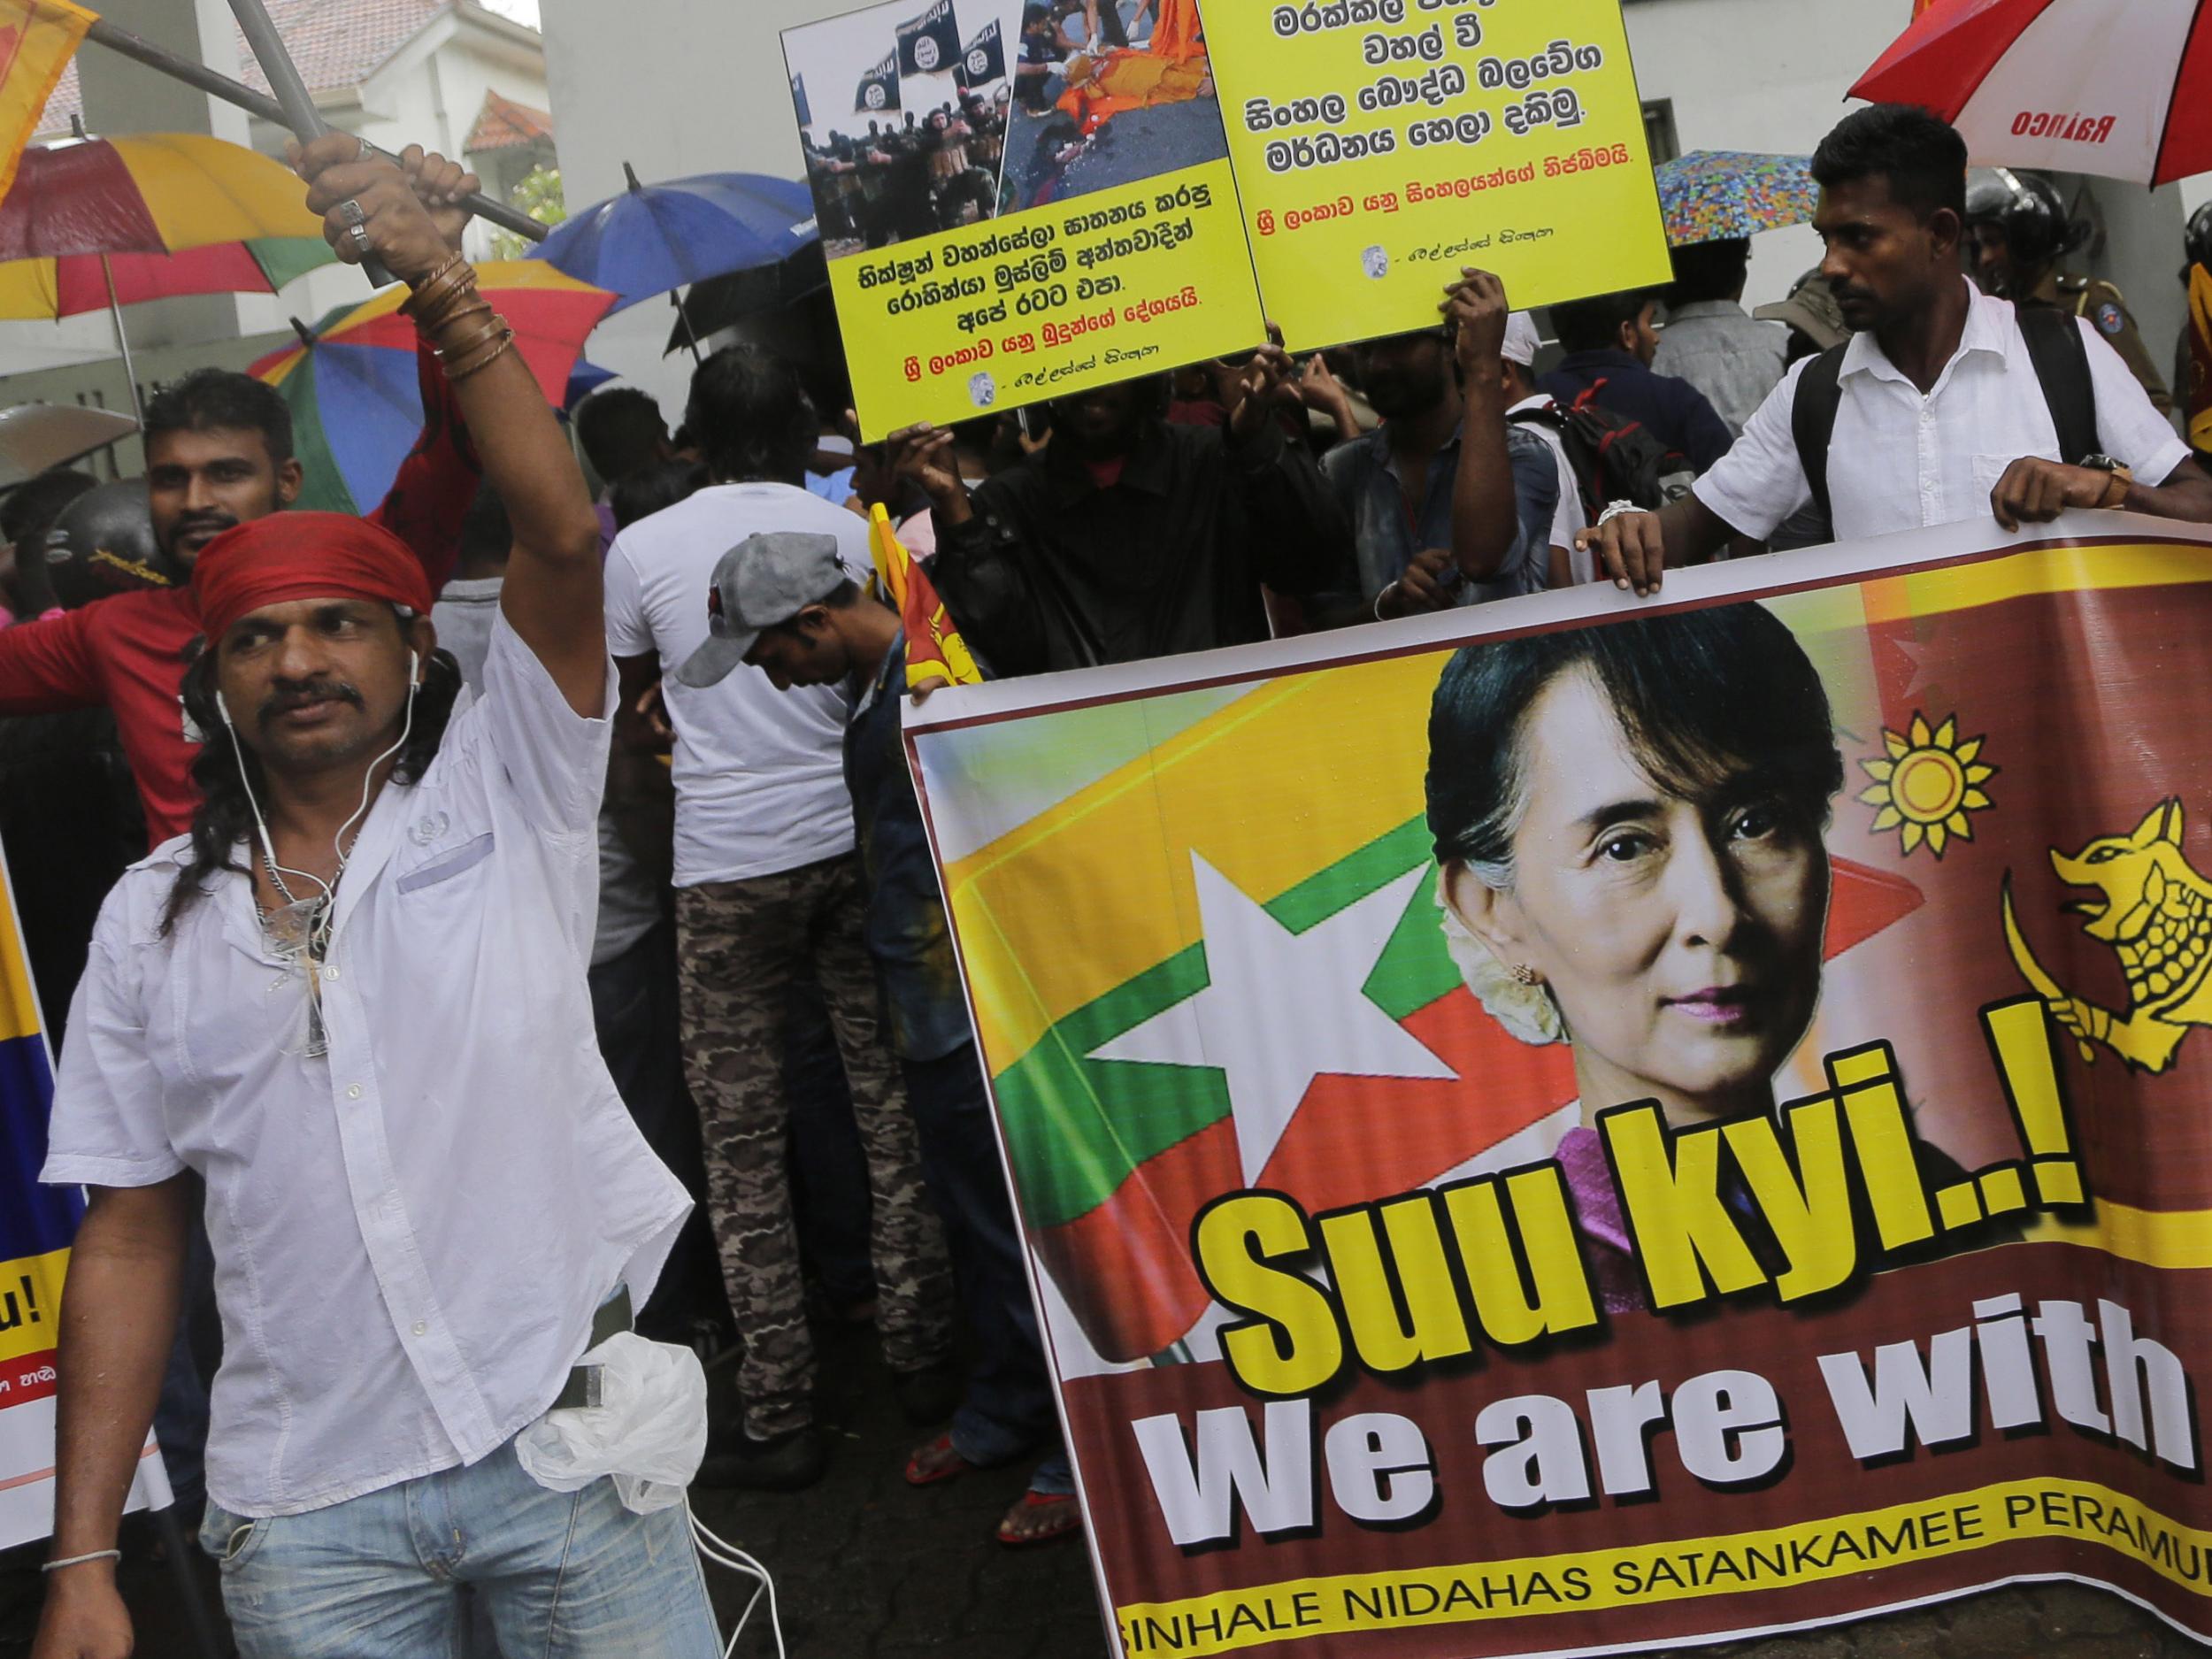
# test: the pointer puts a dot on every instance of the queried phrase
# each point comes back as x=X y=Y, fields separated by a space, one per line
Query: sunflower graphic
x=1928 y=784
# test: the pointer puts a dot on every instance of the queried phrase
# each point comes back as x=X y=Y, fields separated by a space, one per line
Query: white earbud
x=222 y=708
x=414 y=662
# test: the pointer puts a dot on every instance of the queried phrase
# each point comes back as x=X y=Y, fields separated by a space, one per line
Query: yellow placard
x=1381 y=145
x=1043 y=304
x=30 y=1304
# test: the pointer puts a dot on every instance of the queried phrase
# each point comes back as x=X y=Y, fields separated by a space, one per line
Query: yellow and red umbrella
x=150 y=192
x=352 y=381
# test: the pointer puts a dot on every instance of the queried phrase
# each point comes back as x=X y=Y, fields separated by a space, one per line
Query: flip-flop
x=1064 y=1520
x=916 y=1476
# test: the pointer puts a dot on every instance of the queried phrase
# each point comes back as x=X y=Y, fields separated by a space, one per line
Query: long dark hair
x=225 y=818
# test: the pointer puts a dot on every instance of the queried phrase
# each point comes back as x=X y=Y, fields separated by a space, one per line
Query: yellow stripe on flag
x=1111 y=865
x=37 y=39
x=18 y=1002
x=2058 y=570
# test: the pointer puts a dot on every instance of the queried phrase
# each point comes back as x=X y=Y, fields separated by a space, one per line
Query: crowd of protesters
x=465 y=953
x=910 y=177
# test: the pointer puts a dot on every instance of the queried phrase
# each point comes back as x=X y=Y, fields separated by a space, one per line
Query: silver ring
x=352 y=213
x=360 y=234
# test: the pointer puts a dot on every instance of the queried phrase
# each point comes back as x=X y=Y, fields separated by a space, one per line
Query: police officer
x=2017 y=231
x=2193 y=356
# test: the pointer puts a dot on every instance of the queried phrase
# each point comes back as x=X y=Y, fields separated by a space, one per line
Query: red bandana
x=291 y=555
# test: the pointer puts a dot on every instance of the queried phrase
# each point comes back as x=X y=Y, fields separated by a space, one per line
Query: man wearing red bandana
x=353 y=1002
x=218 y=453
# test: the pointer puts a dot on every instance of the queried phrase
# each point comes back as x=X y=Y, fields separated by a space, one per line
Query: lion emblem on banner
x=2156 y=914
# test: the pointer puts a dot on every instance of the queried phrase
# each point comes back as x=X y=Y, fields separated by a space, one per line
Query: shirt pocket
x=445 y=864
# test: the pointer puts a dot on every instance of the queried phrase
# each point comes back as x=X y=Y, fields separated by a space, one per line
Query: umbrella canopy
x=35 y=436
x=148 y=193
x=76 y=283
x=655 y=238
x=2122 y=89
x=1715 y=194
x=356 y=403
x=722 y=302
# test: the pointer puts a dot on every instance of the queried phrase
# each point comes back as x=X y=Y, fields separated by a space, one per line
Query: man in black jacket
x=1128 y=538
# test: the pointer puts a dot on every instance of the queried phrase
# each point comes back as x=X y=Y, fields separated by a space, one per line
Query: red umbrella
x=2122 y=89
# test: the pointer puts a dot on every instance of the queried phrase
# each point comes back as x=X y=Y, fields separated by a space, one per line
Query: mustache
x=313 y=691
x=214 y=523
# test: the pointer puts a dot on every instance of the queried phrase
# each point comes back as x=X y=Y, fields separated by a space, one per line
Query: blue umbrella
x=654 y=239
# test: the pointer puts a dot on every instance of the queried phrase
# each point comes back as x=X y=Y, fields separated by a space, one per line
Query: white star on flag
x=1281 y=1009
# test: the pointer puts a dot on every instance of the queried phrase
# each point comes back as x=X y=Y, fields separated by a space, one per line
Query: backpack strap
x=2062 y=364
x=1813 y=421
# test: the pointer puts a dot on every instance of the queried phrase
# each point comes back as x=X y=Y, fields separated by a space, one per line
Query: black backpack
x=2062 y=365
x=1613 y=459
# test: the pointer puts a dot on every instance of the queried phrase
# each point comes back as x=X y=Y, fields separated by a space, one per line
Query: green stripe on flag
x=1077 y=1128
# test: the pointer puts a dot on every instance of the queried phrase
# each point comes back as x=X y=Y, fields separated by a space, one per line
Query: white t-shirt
x=759 y=773
x=1900 y=461
x=1570 y=520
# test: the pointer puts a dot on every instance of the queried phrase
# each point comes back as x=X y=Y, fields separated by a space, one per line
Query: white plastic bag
x=648 y=1429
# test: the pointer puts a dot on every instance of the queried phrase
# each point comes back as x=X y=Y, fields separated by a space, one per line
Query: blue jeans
x=566 y=1575
x=1008 y=1407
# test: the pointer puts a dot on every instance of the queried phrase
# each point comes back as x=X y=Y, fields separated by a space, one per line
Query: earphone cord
x=277 y=871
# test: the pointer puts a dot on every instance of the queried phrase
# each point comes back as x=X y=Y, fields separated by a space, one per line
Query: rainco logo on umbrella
x=930 y=43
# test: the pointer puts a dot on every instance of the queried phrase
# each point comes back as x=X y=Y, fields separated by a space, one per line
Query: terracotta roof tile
x=502 y=124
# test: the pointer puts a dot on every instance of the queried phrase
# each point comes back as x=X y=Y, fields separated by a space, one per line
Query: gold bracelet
x=464 y=371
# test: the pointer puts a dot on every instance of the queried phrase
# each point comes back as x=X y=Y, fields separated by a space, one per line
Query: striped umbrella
x=352 y=383
x=2121 y=88
x=148 y=193
x=74 y=283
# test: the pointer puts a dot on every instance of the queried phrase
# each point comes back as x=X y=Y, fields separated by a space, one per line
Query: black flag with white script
x=930 y=43
x=984 y=59
x=879 y=93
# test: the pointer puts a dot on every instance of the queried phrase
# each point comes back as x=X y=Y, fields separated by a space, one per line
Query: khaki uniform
x=2107 y=313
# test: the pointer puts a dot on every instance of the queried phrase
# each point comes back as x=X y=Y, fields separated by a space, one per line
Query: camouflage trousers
x=738 y=944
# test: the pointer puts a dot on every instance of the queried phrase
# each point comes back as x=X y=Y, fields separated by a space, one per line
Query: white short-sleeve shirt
x=759 y=773
x=412 y=1232
x=1569 y=520
x=1900 y=461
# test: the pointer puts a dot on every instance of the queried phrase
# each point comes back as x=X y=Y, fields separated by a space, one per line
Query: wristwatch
x=2122 y=479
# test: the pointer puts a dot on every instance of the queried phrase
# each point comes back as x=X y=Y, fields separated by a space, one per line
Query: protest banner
x=1581 y=1125
x=36 y=1225
x=1381 y=145
x=1000 y=232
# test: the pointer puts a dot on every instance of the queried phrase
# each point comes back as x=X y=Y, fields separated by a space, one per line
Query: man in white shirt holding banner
x=1944 y=405
x=424 y=1198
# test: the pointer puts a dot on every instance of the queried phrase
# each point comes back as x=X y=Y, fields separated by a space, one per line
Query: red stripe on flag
x=1863 y=902
x=1124 y=1269
x=1356 y=1138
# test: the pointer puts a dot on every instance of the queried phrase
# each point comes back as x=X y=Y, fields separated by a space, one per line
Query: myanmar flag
x=38 y=39
x=1211 y=958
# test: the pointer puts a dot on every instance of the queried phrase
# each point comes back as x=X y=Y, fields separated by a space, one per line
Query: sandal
x=1057 y=1516
x=946 y=1464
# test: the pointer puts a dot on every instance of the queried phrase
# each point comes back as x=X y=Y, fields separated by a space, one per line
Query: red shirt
x=128 y=651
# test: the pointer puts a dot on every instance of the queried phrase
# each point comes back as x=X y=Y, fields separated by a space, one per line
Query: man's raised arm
x=551 y=595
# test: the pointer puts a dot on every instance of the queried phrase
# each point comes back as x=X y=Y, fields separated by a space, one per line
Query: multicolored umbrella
x=1718 y=195
x=74 y=283
x=148 y=193
x=2122 y=89
x=352 y=383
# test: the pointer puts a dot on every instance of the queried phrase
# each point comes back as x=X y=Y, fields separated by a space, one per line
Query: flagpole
x=139 y=50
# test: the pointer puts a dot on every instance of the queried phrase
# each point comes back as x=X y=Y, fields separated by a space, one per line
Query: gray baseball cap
x=762 y=580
